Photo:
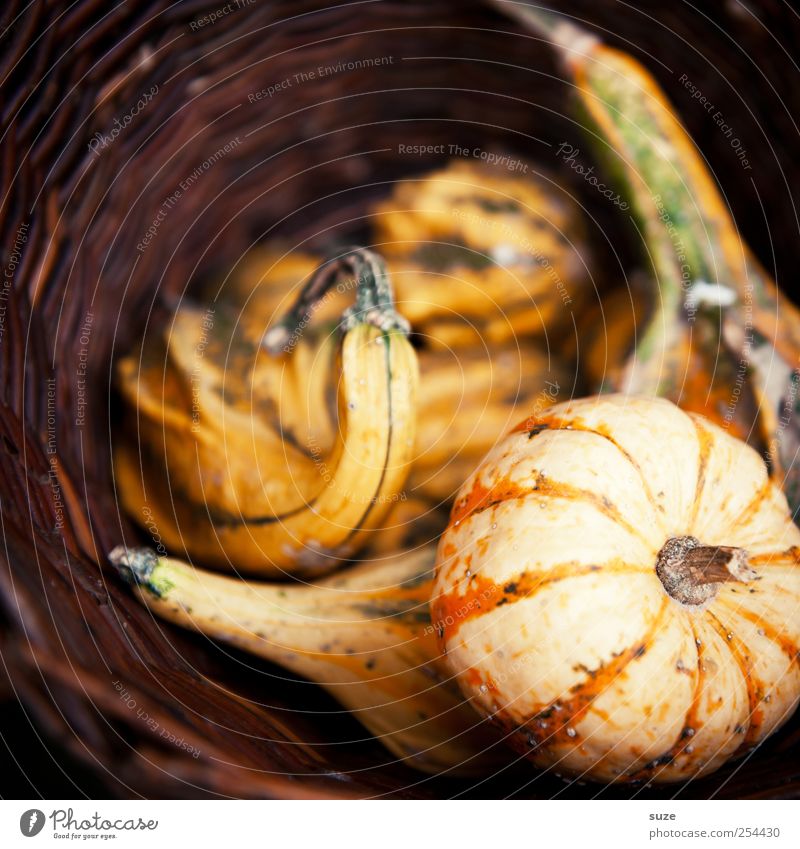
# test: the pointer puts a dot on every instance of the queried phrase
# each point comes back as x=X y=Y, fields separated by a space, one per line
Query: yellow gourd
x=231 y=451
x=478 y=254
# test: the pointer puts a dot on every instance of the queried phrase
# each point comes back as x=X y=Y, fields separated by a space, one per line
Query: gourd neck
x=691 y=572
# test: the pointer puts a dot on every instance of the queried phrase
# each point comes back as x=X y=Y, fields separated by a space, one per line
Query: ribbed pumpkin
x=619 y=588
x=478 y=253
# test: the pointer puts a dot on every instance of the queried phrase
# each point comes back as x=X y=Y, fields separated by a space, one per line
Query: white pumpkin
x=619 y=587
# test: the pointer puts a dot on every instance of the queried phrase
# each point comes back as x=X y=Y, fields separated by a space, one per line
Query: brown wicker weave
x=101 y=679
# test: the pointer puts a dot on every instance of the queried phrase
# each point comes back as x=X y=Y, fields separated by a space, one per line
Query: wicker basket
x=108 y=111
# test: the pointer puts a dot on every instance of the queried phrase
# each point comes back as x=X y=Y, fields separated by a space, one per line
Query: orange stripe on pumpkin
x=705 y=441
x=691 y=724
x=482 y=497
x=553 y=722
x=773 y=634
x=755 y=687
x=752 y=507
x=482 y=595
x=532 y=426
x=777 y=558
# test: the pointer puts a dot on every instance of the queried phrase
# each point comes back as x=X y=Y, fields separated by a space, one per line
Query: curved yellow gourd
x=364 y=635
x=237 y=476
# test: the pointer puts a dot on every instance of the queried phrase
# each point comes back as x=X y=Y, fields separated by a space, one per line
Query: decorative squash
x=720 y=339
x=608 y=333
x=478 y=253
x=467 y=400
x=619 y=588
x=363 y=634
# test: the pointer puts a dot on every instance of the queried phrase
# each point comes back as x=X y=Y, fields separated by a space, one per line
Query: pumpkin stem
x=690 y=571
x=374 y=304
